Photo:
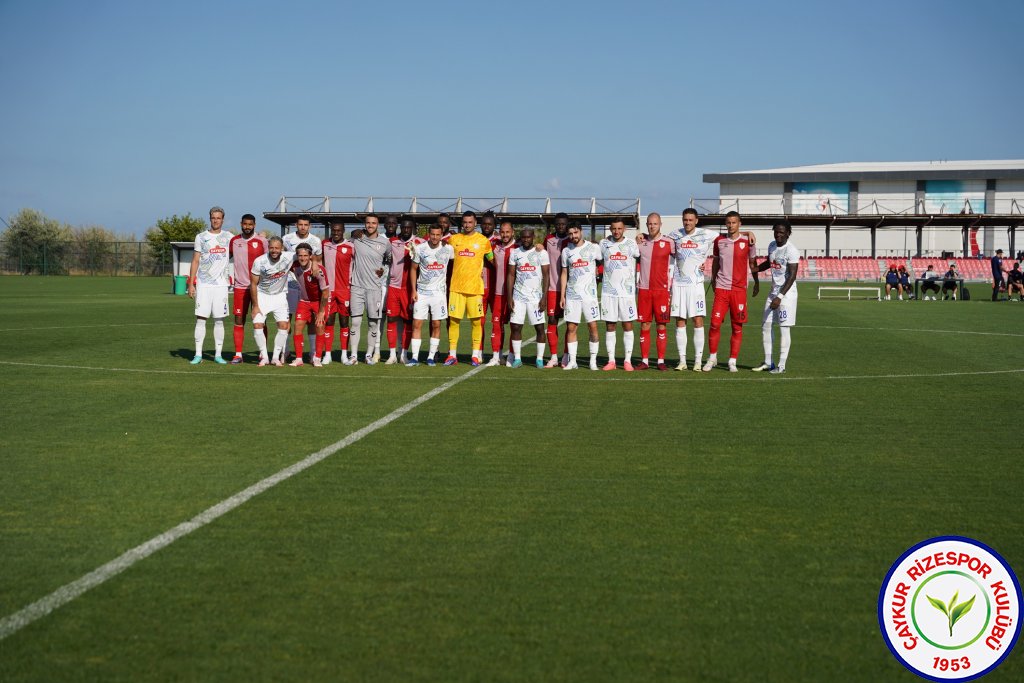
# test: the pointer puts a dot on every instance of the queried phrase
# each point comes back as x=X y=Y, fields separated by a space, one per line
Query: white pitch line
x=910 y=329
x=724 y=379
x=68 y=592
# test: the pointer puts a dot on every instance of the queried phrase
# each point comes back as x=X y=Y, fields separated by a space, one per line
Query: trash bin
x=180 y=284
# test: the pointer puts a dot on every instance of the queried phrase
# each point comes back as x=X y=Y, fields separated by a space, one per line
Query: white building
x=884 y=208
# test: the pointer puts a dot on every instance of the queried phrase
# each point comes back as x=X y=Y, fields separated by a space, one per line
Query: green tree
x=37 y=243
x=94 y=248
x=174 y=229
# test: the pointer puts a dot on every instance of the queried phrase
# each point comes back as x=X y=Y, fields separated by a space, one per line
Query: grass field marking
x=911 y=329
x=68 y=592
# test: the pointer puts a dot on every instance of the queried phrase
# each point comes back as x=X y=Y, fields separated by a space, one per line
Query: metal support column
x=919 y=233
x=966 y=231
x=828 y=239
x=874 y=231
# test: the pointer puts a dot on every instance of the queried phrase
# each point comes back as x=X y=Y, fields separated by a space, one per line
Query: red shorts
x=242 y=301
x=307 y=310
x=733 y=301
x=500 y=311
x=554 y=306
x=398 y=303
x=653 y=304
x=339 y=302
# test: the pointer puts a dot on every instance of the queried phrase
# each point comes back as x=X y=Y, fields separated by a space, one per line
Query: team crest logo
x=743 y=245
x=741 y=307
x=255 y=243
x=949 y=609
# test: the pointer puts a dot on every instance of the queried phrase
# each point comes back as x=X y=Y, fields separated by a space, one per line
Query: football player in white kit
x=527 y=279
x=208 y=283
x=429 y=295
x=692 y=247
x=618 y=293
x=269 y=290
x=780 y=307
x=579 y=293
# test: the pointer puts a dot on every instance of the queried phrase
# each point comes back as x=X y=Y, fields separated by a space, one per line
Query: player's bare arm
x=255 y=294
x=193 y=269
x=414 y=274
x=563 y=279
x=791 y=270
x=753 y=273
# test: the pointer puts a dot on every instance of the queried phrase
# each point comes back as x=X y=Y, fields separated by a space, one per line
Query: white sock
x=732 y=361
x=434 y=343
x=354 y=330
x=218 y=336
x=594 y=348
x=698 y=344
x=280 y=344
x=261 y=342
x=373 y=337
x=517 y=349
x=609 y=344
x=627 y=343
x=766 y=340
x=414 y=349
x=200 y=335
x=784 y=342
x=681 y=343
x=572 y=352
x=540 y=350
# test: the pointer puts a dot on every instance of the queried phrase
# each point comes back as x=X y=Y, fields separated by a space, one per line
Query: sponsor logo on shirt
x=526 y=268
x=689 y=244
x=580 y=263
x=218 y=250
x=618 y=256
x=467 y=252
x=435 y=266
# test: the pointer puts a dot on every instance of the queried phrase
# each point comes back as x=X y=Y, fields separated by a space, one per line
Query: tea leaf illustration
x=952 y=600
x=960 y=610
x=938 y=604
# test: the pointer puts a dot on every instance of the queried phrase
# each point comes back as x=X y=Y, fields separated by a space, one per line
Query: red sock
x=297 y=340
x=407 y=334
x=645 y=344
x=239 y=338
x=496 y=335
x=343 y=339
x=321 y=340
x=553 y=339
x=328 y=338
x=392 y=334
x=660 y=345
x=714 y=334
x=735 y=340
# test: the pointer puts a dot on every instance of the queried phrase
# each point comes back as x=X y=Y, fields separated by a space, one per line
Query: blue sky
x=119 y=113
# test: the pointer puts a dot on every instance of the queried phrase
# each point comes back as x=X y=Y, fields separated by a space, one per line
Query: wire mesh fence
x=71 y=258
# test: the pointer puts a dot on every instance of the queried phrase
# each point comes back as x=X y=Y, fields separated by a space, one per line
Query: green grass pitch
x=521 y=525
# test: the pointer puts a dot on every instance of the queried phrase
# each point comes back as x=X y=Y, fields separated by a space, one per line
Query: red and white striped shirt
x=338 y=264
x=656 y=263
x=733 y=258
x=244 y=252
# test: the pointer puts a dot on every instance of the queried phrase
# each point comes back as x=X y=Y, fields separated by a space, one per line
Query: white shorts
x=433 y=306
x=523 y=311
x=618 y=309
x=575 y=309
x=272 y=304
x=211 y=301
x=784 y=315
x=688 y=301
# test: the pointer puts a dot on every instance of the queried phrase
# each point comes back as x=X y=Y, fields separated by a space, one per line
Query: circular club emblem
x=949 y=609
